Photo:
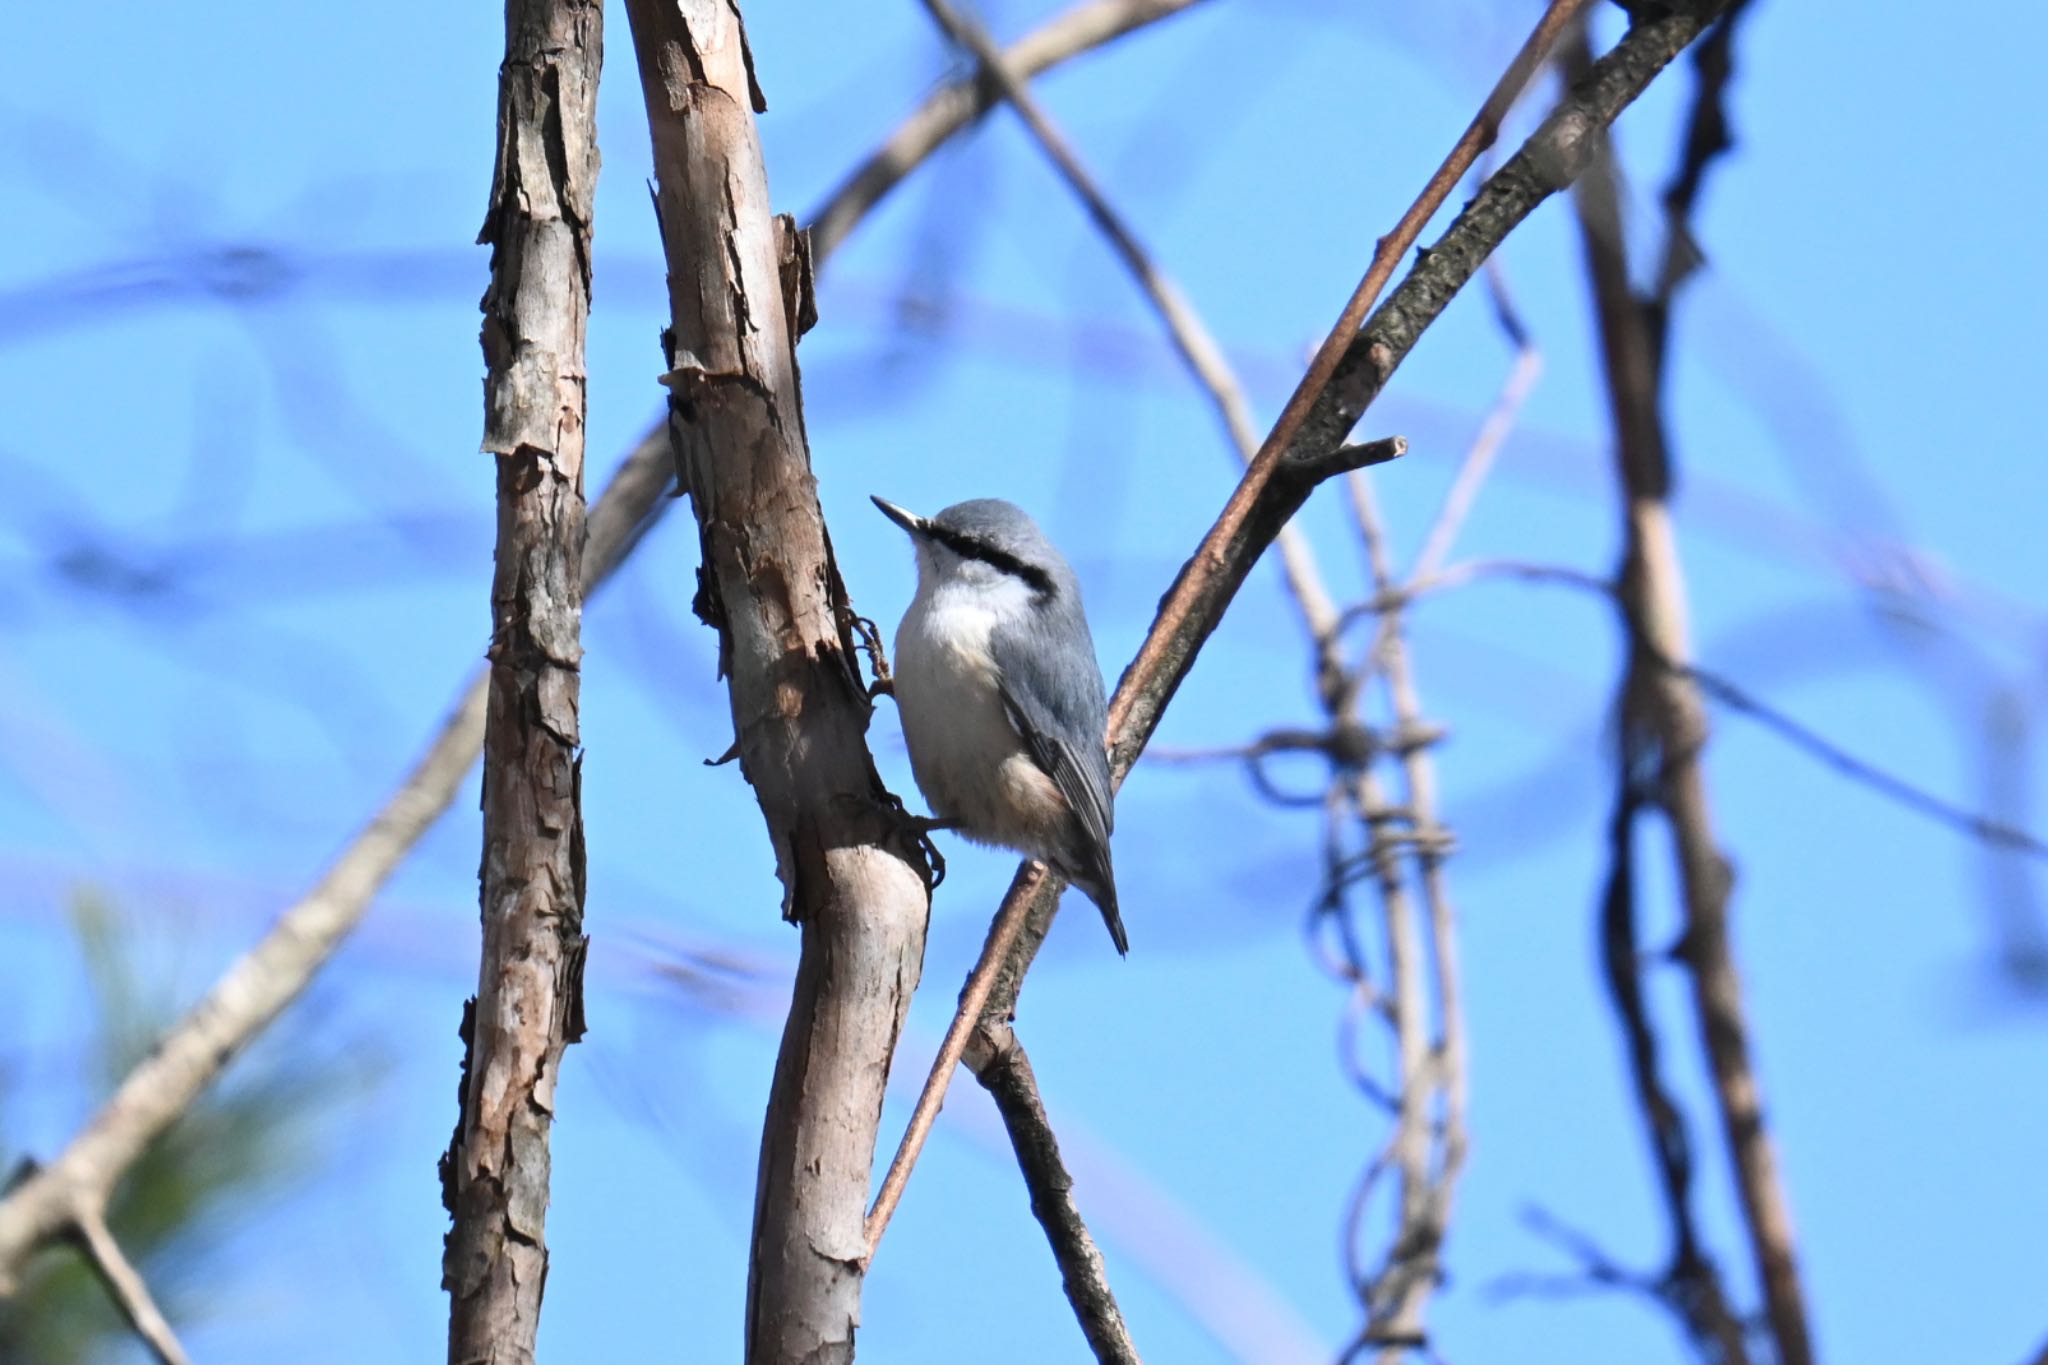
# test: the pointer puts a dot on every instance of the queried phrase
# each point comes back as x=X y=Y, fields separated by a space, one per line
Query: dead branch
x=1425 y=1007
x=1707 y=137
x=529 y=1001
x=1479 y=456
x=1000 y=1063
x=1691 y=1283
x=1336 y=392
x=852 y=874
x=1600 y=1273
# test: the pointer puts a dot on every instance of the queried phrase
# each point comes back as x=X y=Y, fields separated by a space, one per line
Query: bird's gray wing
x=1054 y=697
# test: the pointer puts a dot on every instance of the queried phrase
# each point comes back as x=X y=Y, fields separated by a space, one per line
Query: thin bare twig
x=1388 y=599
x=130 y=1292
x=1003 y=1068
x=1691 y=1284
x=1500 y=420
x=1973 y=824
x=957 y=104
x=1599 y=1272
x=1002 y=935
x=1428 y=1142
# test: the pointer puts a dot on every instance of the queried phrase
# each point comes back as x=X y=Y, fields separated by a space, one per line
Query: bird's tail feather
x=1116 y=927
x=1103 y=893
x=1098 y=884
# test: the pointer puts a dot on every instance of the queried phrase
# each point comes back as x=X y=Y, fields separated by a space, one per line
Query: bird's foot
x=920 y=828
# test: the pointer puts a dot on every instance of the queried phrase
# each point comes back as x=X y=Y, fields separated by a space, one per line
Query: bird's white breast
x=969 y=760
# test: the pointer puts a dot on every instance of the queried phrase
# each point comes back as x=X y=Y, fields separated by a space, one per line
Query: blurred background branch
x=231 y=1153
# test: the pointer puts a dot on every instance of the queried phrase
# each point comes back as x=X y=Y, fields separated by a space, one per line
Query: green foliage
x=236 y=1146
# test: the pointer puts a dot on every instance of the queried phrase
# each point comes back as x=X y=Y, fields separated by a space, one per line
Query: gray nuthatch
x=1001 y=696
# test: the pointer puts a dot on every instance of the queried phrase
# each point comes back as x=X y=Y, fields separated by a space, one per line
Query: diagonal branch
x=129 y=1290
x=1351 y=369
x=1691 y=1284
x=1003 y=1068
x=1352 y=365
x=957 y=104
x=259 y=984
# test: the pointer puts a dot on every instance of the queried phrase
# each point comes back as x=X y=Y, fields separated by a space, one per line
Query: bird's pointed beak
x=909 y=521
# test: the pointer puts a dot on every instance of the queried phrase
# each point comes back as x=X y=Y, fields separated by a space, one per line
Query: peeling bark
x=529 y=1001
x=852 y=876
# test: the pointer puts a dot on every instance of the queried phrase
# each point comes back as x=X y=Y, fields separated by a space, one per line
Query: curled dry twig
x=1406 y=847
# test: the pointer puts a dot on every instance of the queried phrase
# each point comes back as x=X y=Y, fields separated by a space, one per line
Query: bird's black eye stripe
x=973 y=547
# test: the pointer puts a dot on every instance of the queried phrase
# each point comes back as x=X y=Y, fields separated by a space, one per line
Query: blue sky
x=294 y=467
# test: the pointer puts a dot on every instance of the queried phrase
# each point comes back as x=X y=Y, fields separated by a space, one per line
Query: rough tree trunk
x=529 y=1001
x=738 y=297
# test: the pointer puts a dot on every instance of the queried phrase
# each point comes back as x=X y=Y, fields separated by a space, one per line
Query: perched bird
x=1001 y=696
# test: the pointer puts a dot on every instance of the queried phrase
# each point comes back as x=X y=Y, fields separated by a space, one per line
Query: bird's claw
x=918 y=827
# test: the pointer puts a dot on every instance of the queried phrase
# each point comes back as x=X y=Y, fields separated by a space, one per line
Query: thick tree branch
x=999 y=1062
x=529 y=1001
x=852 y=874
